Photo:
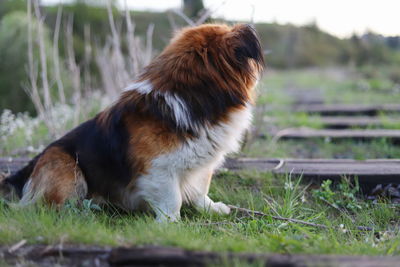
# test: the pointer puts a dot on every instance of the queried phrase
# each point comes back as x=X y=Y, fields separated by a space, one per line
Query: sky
x=338 y=17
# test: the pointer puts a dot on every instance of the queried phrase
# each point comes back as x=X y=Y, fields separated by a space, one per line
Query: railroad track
x=368 y=172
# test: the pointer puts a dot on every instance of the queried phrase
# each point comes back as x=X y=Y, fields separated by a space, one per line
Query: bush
x=8 y=6
x=14 y=61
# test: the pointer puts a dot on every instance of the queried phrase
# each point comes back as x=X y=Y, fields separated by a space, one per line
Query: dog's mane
x=189 y=88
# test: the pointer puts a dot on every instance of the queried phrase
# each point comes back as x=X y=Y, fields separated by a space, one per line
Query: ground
x=341 y=207
x=341 y=211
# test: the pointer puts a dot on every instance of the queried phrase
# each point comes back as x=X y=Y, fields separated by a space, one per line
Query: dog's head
x=227 y=52
x=209 y=57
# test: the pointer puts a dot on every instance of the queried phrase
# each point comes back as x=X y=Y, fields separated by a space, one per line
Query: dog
x=158 y=145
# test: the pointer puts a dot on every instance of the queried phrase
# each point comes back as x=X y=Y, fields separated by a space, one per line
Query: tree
x=192 y=8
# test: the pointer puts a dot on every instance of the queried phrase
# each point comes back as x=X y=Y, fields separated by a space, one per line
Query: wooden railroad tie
x=344 y=122
x=363 y=134
x=369 y=172
x=347 y=109
x=71 y=255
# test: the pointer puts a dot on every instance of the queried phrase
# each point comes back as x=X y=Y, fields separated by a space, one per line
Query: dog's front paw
x=165 y=218
x=220 y=208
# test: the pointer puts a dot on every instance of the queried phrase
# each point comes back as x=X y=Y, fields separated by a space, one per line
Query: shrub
x=14 y=58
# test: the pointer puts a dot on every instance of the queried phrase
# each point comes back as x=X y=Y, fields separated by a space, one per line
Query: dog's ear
x=249 y=45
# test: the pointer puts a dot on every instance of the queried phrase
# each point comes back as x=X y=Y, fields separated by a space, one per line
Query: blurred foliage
x=82 y=14
x=7 y=6
x=14 y=61
x=292 y=46
x=286 y=46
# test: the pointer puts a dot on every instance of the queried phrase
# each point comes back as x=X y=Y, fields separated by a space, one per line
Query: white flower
x=289 y=185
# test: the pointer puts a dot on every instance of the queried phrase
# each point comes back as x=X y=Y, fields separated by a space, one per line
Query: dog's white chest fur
x=211 y=145
x=184 y=174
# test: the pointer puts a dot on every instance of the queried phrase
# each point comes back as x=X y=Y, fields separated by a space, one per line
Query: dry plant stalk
x=56 y=58
x=74 y=70
x=116 y=70
x=132 y=45
x=121 y=76
x=34 y=90
x=42 y=55
x=279 y=218
x=149 y=43
x=87 y=81
x=39 y=88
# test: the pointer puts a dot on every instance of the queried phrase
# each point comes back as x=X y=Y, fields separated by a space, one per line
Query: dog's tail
x=12 y=186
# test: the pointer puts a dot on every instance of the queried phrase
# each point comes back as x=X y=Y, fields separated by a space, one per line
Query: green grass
x=272 y=195
x=390 y=122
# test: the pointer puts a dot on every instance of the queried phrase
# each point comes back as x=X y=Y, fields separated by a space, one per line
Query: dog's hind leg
x=56 y=178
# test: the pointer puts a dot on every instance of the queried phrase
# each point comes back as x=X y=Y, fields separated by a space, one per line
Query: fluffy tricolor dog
x=159 y=144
